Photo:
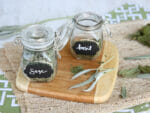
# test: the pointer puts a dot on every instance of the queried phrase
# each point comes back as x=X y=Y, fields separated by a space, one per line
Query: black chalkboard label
x=85 y=48
x=38 y=70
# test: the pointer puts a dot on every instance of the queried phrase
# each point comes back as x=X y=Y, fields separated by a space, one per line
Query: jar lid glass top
x=88 y=21
x=37 y=37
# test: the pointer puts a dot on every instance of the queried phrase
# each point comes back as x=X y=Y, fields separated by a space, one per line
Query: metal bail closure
x=17 y=40
x=62 y=36
x=55 y=45
x=106 y=29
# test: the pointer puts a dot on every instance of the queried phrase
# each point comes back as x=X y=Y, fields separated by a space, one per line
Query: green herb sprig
x=123 y=92
x=142 y=35
x=96 y=76
x=137 y=57
x=129 y=73
x=76 y=69
x=139 y=72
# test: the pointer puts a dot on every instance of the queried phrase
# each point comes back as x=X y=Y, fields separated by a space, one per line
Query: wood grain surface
x=59 y=87
x=106 y=84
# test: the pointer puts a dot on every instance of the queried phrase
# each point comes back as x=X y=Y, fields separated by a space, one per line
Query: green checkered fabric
x=8 y=102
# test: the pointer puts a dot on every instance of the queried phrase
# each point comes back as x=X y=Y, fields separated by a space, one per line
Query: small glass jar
x=39 y=59
x=87 y=36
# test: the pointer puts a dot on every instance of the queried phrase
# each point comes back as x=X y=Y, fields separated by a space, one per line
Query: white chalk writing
x=33 y=71
x=89 y=48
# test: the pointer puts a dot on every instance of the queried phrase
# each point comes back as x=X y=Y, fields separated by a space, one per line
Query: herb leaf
x=123 y=92
x=144 y=69
x=76 y=69
x=140 y=72
x=97 y=76
x=143 y=76
x=81 y=73
x=10 y=28
x=129 y=73
x=142 y=35
x=137 y=57
x=84 y=83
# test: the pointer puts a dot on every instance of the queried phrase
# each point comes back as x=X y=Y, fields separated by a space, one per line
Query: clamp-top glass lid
x=37 y=37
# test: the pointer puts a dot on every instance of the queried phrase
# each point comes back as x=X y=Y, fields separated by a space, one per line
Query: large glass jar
x=39 y=58
x=87 y=36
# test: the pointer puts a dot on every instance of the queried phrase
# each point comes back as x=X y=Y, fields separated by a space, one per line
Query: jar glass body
x=87 y=36
x=39 y=65
x=39 y=59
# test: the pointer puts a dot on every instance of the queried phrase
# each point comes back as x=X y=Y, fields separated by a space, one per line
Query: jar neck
x=88 y=21
x=41 y=48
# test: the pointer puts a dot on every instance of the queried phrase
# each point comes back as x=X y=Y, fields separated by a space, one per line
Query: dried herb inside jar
x=39 y=56
x=39 y=65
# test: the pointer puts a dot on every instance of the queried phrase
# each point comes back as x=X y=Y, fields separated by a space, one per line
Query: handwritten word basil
x=86 y=48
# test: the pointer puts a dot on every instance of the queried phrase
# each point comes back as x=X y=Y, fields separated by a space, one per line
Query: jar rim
x=85 y=16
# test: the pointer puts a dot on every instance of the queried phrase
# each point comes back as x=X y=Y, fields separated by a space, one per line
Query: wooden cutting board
x=59 y=87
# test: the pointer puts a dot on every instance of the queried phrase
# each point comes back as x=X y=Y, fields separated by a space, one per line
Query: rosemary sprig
x=96 y=76
x=9 y=31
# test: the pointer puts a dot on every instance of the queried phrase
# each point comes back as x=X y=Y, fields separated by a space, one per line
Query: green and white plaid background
x=126 y=12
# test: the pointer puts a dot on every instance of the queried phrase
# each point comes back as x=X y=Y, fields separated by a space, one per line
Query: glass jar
x=87 y=36
x=39 y=58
